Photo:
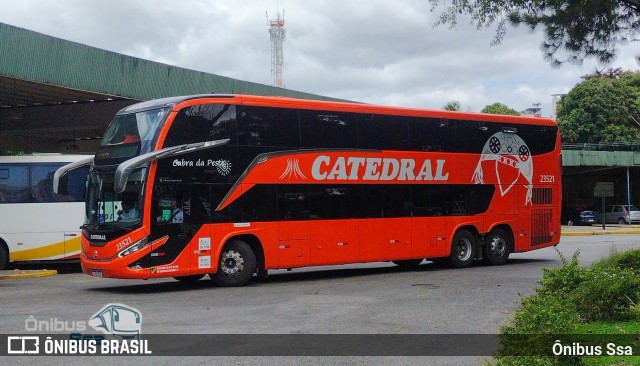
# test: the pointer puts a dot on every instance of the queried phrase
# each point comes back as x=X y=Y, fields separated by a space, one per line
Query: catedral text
x=360 y=168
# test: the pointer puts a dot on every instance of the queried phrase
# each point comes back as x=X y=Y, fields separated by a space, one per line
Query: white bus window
x=15 y=187
x=42 y=183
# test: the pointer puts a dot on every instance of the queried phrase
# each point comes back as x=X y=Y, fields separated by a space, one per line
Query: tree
x=573 y=30
x=452 y=105
x=604 y=107
x=499 y=108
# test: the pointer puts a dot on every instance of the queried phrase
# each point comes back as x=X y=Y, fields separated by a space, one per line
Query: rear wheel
x=189 y=279
x=570 y=223
x=622 y=221
x=408 y=263
x=463 y=249
x=497 y=247
x=4 y=256
x=236 y=265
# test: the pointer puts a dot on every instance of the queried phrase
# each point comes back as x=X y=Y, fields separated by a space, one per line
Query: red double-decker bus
x=235 y=185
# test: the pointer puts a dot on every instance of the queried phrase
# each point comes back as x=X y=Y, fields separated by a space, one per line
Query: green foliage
x=600 y=109
x=561 y=281
x=539 y=314
x=607 y=294
x=11 y=153
x=573 y=30
x=570 y=295
x=452 y=105
x=499 y=108
x=624 y=260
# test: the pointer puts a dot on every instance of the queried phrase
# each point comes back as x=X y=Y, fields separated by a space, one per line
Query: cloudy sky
x=373 y=51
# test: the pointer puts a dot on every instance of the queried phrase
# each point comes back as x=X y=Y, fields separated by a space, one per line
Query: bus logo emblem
x=512 y=159
x=293 y=170
x=222 y=166
x=119 y=320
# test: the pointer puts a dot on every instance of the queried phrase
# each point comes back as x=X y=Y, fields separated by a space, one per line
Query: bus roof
x=286 y=102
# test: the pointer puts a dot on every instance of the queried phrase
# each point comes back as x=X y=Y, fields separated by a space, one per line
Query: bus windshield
x=131 y=134
x=107 y=209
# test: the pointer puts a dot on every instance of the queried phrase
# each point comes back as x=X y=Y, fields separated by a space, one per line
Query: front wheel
x=236 y=265
x=463 y=249
x=497 y=247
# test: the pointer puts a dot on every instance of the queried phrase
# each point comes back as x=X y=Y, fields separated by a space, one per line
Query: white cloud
x=373 y=51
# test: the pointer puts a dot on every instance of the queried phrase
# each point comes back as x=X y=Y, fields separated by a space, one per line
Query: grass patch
x=577 y=303
x=628 y=327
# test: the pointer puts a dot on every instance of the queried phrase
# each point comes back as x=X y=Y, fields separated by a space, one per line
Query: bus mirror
x=124 y=169
x=60 y=178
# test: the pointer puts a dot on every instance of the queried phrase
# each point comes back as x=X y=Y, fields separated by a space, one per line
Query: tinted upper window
x=383 y=132
x=320 y=129
x=203 y=122
x=263 y=126
x=430 y=134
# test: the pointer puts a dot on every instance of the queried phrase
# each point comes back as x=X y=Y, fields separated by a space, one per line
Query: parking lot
x=376 y=298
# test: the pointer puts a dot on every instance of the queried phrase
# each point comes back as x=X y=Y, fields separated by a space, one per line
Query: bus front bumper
x=114 y=268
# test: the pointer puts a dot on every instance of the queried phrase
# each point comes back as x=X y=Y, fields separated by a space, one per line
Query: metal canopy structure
x=53 y=91
x=16 y=93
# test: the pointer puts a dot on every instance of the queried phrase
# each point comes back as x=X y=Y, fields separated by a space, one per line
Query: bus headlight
x=134 y=247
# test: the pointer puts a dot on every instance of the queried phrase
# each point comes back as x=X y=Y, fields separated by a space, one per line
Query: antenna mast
x=278 y=36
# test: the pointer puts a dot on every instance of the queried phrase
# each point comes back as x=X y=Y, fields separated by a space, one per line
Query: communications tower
x=277 y=35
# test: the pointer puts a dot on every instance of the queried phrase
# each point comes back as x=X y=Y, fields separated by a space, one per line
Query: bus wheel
x=236 y=265
x=408 y=263
x=189 y=279
x=497 y=247
x=463 y=249
x=4 y=256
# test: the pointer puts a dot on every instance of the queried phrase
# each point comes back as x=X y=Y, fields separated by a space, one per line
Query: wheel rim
x=231 y=262
x=464 y=249
x=498 y=246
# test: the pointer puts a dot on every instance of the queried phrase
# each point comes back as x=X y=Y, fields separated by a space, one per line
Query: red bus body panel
x=518 y=179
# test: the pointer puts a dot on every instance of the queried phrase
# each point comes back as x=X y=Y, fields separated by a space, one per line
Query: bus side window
x=293 y=203
x=383 y=132
x=14 y=184
x=42 y=184
x=327 y=129
x=273 y=127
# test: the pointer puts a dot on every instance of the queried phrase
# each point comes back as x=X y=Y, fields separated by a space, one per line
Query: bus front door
x=178 y=216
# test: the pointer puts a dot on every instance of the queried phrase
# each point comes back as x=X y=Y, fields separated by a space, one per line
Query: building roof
x=37 y=69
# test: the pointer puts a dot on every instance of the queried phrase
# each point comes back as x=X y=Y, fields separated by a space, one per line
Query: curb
x=27 y=274
x=589 y=233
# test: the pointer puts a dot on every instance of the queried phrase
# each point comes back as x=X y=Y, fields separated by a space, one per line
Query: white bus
x=36 y=223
